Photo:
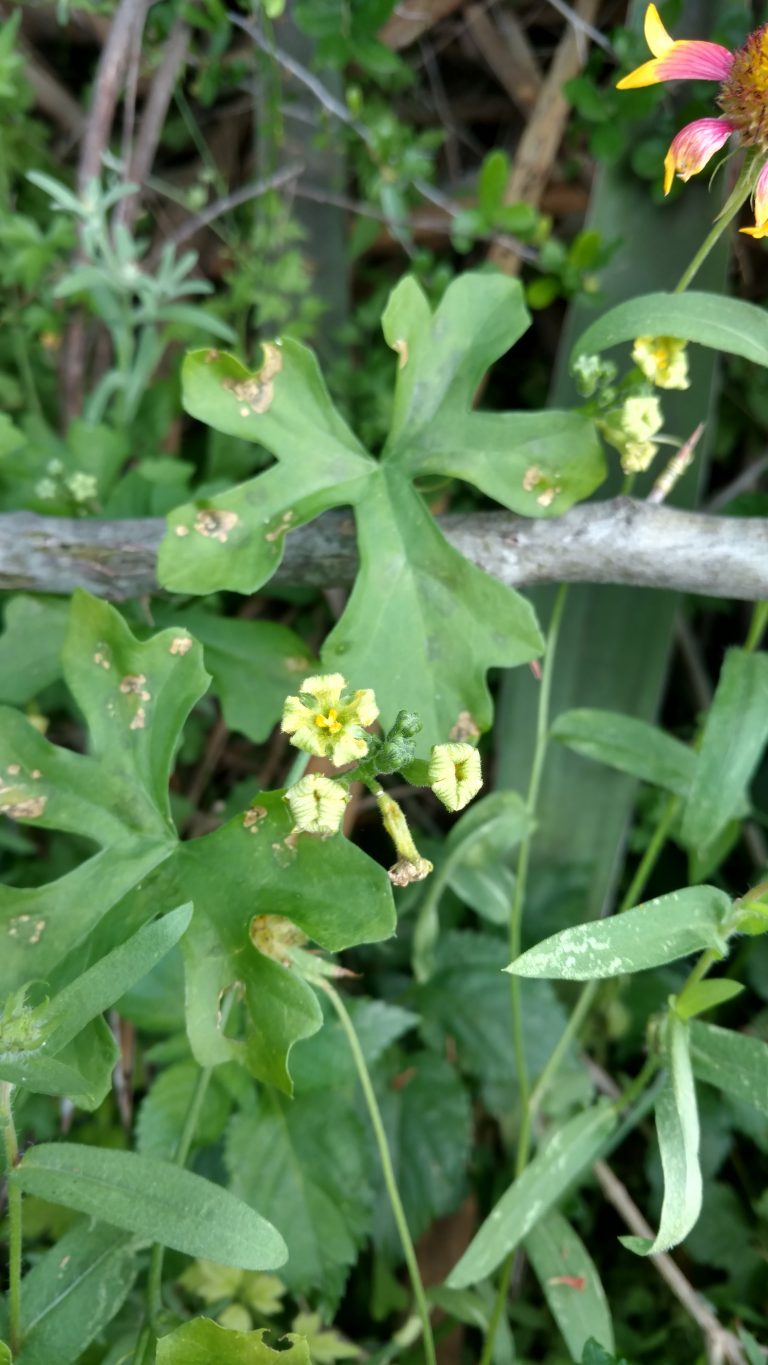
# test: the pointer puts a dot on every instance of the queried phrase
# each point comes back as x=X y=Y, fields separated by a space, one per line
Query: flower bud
x=455 y=775
x=317 y=804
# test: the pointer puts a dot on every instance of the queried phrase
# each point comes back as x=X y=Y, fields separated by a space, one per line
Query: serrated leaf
x=325 y=1061
x=472 y=864
x=310 y=1175
x=163 y=1112
x=652 y=934
x=428 y=1120
x=733 y=1062
x=571 y=1283
x=467 y=999
x=710 y=319
x=677 y=1127
x=201 y=1342
x=632 y=746
x=73 y=1291
x=570 y=1150
x=157 y=1201
x=735 y=734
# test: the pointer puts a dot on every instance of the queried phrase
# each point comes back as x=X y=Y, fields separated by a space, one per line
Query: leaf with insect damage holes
x=537 y=464
x=260 y=889
x=134 y=698
x=422 y=626
x=235 y=539
x=242 y=880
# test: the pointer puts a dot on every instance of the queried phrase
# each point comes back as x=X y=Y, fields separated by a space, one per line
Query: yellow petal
x=670 y=166
x=642 y=75
x=656 y=35
x=758 y=231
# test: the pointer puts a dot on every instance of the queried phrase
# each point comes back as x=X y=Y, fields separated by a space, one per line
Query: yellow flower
x=455 y=775
x=324 y=720
x=317 y=804
x=663 y=360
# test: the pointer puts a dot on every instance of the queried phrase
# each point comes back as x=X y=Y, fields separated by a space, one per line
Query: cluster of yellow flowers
x=325 y=719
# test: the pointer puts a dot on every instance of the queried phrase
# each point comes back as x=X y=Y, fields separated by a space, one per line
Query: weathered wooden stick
x=620 y=541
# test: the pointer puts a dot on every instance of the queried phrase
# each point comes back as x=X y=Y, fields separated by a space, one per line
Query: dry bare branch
x=620 y=541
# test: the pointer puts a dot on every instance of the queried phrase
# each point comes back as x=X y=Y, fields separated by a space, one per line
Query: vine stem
x=390 y=1180
x=521 y=879
x=741 y=191
x=11 y=1145
x=515 y=937
x=145 y=1346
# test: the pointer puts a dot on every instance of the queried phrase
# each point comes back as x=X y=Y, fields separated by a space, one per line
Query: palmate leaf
x=135 y=698
x=422 y=626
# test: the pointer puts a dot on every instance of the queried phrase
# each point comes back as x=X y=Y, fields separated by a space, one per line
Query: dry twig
x=539 y=144
x=619 y=541
x=722 y=1345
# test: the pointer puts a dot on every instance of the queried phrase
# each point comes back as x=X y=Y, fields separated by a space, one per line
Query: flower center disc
x=744 y=93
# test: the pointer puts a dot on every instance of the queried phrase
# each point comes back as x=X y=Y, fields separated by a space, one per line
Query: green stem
x=390 y=1180
x=515 y=939
x=11 y=1145
x=523 y=863
x=743 y=188
x=155 y=1274
x=651 y=856
x=757 y=627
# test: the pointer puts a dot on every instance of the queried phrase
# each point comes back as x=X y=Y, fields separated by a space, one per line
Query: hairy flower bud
x=455 y=774
x=317 y=804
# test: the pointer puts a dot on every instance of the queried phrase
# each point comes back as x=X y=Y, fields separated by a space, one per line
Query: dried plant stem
x=620 y=541
x=721 y=1343
x=390 y=1180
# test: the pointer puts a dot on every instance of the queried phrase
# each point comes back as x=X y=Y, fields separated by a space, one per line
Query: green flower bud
x=317 y=804
x=455 y=774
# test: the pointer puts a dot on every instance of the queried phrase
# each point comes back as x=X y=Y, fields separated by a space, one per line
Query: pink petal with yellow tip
x=687 y=60
x=691 y=60
x=693 y=147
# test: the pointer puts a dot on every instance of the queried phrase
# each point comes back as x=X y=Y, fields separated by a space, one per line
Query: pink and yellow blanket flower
x=743 y=98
